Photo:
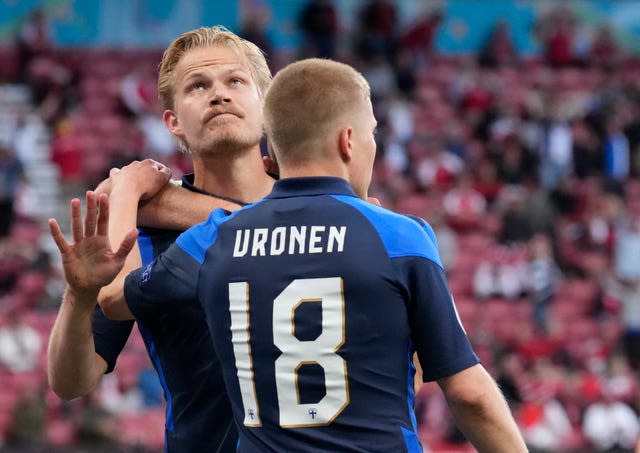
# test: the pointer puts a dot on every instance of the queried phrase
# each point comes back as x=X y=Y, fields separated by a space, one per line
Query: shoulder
x=197 y=239
x=402 y=235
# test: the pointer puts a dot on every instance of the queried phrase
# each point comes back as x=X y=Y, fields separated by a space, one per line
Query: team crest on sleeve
x=146 y=275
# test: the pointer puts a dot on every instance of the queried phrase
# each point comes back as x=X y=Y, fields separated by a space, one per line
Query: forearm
x=124 y=206
x=483 y=415
x=175 y=208
x=73 y=366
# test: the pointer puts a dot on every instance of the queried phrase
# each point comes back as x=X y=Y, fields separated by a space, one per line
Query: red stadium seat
x=61 y=433
x=143 y=429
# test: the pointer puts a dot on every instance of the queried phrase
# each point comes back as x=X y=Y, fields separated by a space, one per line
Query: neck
x=327 y=167
x=240 y=176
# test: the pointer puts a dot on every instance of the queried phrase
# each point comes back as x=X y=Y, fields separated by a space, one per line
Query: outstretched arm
x=481 y=411
x=73 y=367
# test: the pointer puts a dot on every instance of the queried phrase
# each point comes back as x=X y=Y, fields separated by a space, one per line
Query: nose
x=219 y=97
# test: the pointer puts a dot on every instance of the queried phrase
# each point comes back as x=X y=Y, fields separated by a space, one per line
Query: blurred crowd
x=526 y=166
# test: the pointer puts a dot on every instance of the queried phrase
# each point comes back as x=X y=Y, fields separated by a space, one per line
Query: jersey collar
x=311 y=185
x=187 y=183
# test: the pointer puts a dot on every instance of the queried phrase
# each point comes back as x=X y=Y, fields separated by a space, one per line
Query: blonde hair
x=204 y=37
x=305 y=100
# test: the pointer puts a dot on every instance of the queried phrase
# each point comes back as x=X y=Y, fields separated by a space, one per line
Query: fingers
x=127 y=244
x=104 y=187
x=270 y=165
x=91 y=214
x=166 y=171
x=374 y=200
x=103 y=216
x=76 y=220
x=59 y=239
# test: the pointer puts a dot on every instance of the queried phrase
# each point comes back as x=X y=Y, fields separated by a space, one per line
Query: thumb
x=127 y=244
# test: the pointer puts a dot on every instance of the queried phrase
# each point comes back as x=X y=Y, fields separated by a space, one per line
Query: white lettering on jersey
x=291 y=240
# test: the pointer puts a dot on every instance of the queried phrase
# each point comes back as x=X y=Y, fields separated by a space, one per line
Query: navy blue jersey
x=198 y=413
x=316 y=301
x=109 y=337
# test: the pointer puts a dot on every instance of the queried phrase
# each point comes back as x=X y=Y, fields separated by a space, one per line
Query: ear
x=270 y=166
x=171 y=121
x=344 y=144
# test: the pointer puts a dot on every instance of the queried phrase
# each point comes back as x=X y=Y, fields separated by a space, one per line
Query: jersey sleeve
x=169 y=281
x=109 y=337
x=436 y=330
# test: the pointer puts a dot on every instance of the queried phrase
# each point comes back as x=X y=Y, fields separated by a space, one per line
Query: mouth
x=219 y=115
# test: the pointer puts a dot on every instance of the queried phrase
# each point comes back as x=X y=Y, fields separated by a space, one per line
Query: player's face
x=364 y=154
x=217 y=106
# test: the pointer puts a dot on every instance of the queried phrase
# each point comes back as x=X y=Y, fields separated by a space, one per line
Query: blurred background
x=512 y=126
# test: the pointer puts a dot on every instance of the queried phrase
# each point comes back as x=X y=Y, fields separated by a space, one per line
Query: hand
x=142 y=178
x=89 y=263
x=374 y=200
x=270 y=166
x=104 y=187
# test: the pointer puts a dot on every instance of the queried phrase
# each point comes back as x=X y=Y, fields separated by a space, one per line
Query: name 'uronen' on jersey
x=289 y=240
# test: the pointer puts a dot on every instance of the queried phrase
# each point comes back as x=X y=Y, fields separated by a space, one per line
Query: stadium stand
x=548 y=144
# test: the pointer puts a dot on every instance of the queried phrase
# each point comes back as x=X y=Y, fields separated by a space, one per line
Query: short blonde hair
x=204 y=37
x=305 y=100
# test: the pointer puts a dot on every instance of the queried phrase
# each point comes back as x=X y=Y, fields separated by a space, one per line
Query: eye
x=236 y=81
x=196 y=86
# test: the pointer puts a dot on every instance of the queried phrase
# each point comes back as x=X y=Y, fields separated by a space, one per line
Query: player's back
x=308 y=295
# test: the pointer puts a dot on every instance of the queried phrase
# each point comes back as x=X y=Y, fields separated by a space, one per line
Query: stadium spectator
x=498 y=49
x=20 y=344
x=33 y=39
x=447 y=238
x=318 y=21
x=254 y=28
x=11 y=176
x=96 y=426
x=617 y=157
x=543 y=278
x=556 y=31
x=556 y=152
x=588 y=158
x=543 y=420
x=486 y=181
x=515 y=223
x=624 y=283
x=510 y=377
x=620 y=379
x=376 y=34
x=419 y=38
x=605 y=50
x=515 y=163
x=28 y=421
x=52 y=85
x=463 y=205
x=610 y=424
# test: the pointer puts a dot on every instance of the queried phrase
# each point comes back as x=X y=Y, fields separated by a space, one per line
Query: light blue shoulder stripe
x=145 y=245
x=401 y=235
x=196 y=240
